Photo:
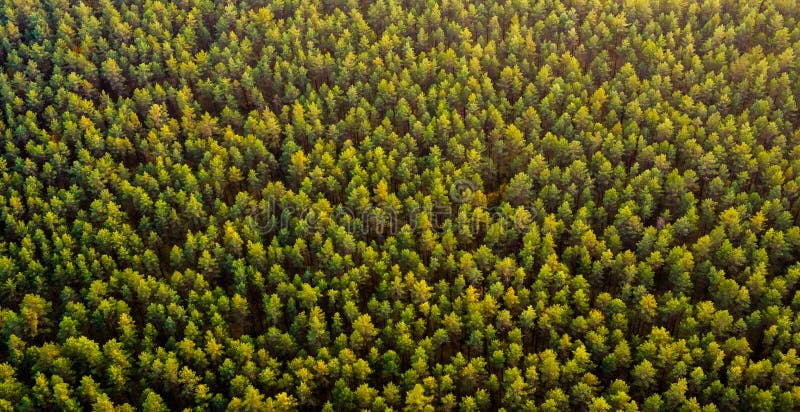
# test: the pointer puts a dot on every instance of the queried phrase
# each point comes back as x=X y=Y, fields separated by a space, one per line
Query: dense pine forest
x=400 y=205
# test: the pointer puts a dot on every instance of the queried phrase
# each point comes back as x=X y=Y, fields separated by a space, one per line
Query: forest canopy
x=399 y=205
